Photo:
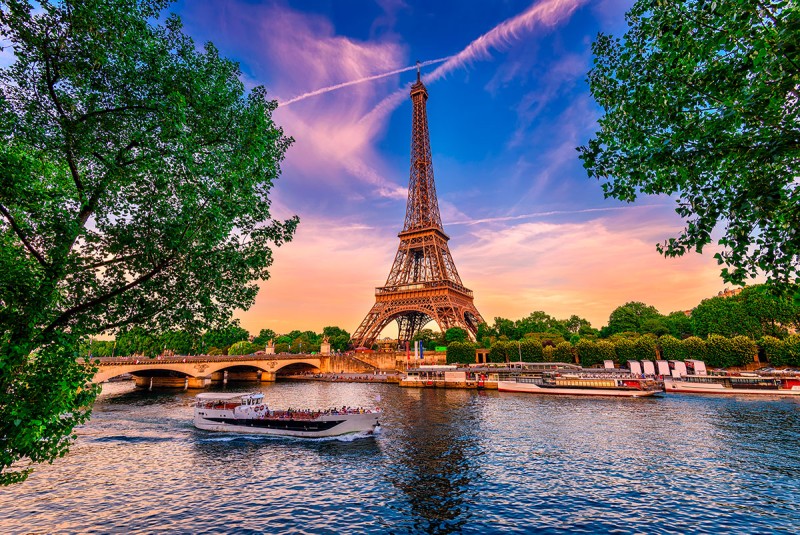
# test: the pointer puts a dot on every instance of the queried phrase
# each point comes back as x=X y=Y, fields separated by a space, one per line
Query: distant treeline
x=634 y=328
x=717 y=351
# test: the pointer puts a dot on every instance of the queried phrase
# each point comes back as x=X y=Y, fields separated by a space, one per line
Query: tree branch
x=112 y=261
x=66 y=315
x=87 y=116
x=51 y=81
x=21 y=235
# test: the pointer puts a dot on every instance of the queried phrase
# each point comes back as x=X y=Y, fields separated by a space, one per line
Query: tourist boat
x=582 y=384
x=247 y=413
x=745 y=383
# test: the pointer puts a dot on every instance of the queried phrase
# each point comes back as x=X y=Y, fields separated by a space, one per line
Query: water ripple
x=445 y=461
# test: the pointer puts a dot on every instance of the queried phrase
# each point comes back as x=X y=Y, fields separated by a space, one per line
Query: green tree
x=339 y=338
x=455 y=334
x=531 y=350
x=743 y=351
x=694 y=347
x=792 y=348
x=502 y=351
x=591 y=353
x=505 y=327
x=719 y=352
x=430 y=339
x=179 y=341
x=631 y=317
x=671 y=348
x=576 y=324
x=564 y=353
x=459 y=352
x=679 y=325
x=645 y=348
x=701 y=101
x=625 y=349
x=536 y=322
x=226 y=336
x=135 y=179
x=774 y=350
x=243 y=348
x=754 y=312
x=264 y=336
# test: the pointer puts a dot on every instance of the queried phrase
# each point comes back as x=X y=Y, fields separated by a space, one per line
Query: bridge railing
x=182 y=359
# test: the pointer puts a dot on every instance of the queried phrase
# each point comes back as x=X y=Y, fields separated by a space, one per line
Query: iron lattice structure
x=423 y=285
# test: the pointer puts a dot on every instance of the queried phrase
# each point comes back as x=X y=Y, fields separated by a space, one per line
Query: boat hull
x=694 y=388
x=530 y=388
x=325 y=426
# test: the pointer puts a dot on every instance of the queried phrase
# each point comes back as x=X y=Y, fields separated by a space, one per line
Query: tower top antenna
x=417 y=70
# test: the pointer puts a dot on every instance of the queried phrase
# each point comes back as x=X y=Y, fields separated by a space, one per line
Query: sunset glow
x=508 y=105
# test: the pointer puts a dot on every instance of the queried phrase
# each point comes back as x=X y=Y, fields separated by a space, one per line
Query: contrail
x=552 y=213
x=547 y=12
x=359 y=81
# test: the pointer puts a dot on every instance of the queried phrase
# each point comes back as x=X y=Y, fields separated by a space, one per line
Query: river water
x=444 y=461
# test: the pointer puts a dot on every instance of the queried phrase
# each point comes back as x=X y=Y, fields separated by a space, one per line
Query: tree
x=339 y=338
x=504 y=327
x=576 y=324
x=678 y=324
x=701 y=101
x=535 y=322
x=455 y=334
x=671 y=348
x=430 y=339
x=243 y=348
x=226 y=336
x=264 y=336
x=625 y=350
x=135 y=179
x=631 y=316
x=460 y=352
x=564 y=353
x=754 y=312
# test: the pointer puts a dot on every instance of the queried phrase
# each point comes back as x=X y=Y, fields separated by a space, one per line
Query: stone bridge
x=200 y=371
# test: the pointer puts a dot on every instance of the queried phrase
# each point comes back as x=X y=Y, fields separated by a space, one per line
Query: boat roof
x=226 y=395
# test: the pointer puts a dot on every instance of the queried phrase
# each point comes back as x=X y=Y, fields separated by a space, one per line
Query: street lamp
x=519 y=347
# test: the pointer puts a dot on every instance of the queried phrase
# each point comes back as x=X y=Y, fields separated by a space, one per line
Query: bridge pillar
x=161 y=382
x=325 y=364
x=267 y=377
x=198 y=382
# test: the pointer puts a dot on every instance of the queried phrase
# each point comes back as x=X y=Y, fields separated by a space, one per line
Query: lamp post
x=519 y=347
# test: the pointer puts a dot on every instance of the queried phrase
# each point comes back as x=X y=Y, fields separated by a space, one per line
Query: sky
x=508 y=105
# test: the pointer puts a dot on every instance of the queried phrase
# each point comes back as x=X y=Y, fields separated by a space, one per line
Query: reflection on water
x=445 y=461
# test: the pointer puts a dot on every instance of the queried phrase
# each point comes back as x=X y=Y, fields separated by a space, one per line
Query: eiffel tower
x=423 y=285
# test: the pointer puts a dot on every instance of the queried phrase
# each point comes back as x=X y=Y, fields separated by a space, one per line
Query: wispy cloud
x=543 y=13
x=360 y=81
x=549 y=213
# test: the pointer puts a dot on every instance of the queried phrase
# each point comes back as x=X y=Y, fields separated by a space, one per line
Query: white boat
x=582 y=384
x=247 y=413
x=745 y=383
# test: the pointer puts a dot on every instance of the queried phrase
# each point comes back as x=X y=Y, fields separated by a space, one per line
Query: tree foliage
x=460 y=352
x=135 y=178
x=631 y=317
x=701 y=101
x=754 y=312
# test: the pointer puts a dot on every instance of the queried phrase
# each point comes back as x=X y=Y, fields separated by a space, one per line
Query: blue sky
x=529 y=231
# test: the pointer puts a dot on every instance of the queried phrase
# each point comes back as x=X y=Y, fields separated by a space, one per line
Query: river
x=444 y=461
